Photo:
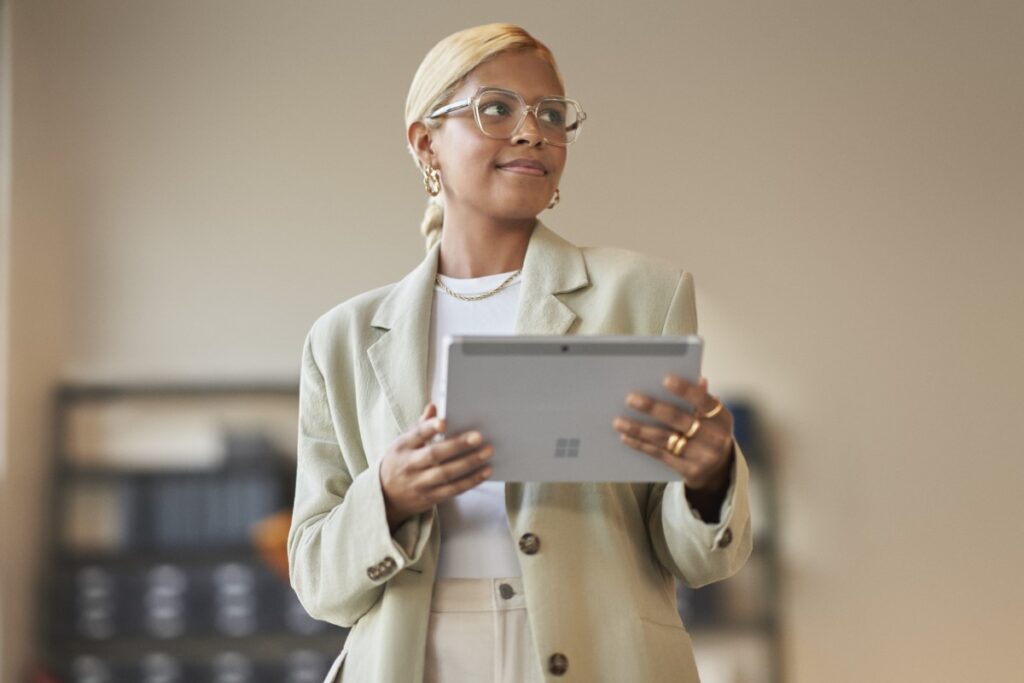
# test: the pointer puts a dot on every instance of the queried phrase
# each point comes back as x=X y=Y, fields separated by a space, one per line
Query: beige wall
x=193 y=183
x=5 y=231
x=34 y=323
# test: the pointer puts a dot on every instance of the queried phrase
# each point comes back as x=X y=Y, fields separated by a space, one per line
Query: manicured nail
x=474 y=438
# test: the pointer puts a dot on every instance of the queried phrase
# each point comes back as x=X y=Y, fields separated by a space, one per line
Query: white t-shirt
x=475 y=539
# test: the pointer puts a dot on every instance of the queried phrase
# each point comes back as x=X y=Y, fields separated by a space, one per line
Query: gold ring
x=694 y=426
x=714 y=411
x=676 y=443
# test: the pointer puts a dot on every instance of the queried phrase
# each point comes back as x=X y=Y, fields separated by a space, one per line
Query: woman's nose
x=530 y=131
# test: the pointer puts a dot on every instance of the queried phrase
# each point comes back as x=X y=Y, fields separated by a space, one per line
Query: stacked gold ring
x=676 y=443
x=677 y=440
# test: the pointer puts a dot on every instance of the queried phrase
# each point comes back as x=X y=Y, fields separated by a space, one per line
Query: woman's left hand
x=705 y=460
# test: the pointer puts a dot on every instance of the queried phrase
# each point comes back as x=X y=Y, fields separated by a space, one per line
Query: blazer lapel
x=552 y=266
x=399 y=356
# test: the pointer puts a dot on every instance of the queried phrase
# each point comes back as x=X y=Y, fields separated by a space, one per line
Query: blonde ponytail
x=433 y=219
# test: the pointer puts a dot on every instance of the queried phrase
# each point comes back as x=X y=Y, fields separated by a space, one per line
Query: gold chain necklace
x=477 y=297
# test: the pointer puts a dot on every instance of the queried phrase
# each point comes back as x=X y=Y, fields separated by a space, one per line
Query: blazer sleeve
x=341 y=551
x=696 y=552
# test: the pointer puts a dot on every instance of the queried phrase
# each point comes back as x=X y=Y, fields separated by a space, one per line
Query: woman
x=396 y=532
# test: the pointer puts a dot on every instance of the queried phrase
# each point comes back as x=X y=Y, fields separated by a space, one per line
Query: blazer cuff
x=712 y=533
x=706 y=552
x=391 y=553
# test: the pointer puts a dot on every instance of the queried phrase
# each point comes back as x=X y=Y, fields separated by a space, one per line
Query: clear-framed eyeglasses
x=500 y=114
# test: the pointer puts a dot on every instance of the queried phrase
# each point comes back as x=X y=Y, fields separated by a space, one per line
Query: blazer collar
x=552 y=266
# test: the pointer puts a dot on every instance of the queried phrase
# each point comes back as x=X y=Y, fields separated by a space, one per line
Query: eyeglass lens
x=500 y=113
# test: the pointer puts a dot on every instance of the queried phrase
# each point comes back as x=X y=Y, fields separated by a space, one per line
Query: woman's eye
x=495 y=109
x=553 y=116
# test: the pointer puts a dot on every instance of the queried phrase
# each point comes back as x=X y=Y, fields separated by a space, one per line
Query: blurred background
x=186 y=186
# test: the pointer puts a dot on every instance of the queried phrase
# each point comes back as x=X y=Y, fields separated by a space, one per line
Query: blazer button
x=388 y=562
x=373 y=572
x=506 y=591
x=529 y=544
x=558 y=664
x=726 y=538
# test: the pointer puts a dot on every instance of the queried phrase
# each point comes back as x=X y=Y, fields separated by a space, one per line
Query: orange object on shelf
x=270 y=537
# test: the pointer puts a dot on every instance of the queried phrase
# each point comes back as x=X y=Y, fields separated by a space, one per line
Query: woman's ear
x=420 y=141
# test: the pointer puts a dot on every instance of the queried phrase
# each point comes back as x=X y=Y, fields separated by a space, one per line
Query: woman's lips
x=522 y=170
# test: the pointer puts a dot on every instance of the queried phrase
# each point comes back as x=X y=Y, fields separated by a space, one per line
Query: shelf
x=145 y=390
x=264 y=645
x=764 y=627
x=182 y=556
x=117 y=473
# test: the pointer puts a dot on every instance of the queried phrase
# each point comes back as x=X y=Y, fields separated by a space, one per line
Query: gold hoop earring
x=555 y=199
x=431 y=181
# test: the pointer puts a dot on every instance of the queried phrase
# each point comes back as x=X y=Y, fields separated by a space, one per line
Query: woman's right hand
x=416 y=473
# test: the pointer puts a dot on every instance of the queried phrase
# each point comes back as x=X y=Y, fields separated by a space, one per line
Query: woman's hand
x=416 y=474
x=705 y=460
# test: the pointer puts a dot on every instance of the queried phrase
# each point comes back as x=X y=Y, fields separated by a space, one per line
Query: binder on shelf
x=95 y=517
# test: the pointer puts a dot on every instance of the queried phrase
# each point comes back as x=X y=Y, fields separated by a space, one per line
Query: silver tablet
x=547 y=403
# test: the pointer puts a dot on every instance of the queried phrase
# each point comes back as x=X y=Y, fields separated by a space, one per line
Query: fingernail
x=437 y=423
x=637 y=401
x=474 y=438
x=671 y=382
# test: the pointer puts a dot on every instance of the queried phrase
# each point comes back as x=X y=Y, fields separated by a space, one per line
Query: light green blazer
x=600 y=589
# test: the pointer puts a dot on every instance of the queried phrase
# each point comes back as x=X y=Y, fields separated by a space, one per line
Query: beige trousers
x=479 y=633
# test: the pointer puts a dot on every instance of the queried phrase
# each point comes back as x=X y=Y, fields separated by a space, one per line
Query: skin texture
x=489 y=214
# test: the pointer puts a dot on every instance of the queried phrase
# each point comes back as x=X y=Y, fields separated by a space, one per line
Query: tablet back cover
x=547 y=403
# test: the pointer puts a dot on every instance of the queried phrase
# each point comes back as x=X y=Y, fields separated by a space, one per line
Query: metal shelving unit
x=166 y=586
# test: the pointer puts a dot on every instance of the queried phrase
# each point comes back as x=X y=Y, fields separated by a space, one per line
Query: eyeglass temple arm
x=461 y=104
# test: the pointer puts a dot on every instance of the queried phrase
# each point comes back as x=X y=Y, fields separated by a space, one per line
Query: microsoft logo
x=567 y=448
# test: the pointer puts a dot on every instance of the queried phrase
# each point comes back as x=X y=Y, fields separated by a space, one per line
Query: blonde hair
x=441 y=73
